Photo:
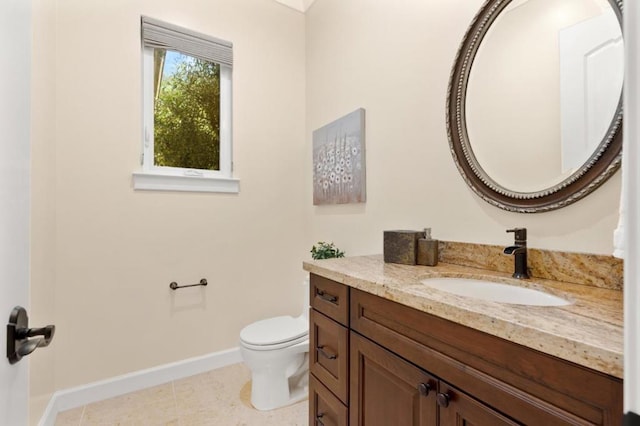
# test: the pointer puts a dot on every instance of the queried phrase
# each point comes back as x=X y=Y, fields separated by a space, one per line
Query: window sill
x=163 y=182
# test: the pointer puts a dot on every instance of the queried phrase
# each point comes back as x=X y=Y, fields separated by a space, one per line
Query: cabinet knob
x=443 y=399
x=319 y=419
x=424 y=389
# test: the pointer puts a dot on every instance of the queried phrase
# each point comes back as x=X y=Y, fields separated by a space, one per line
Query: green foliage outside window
x=187 y=113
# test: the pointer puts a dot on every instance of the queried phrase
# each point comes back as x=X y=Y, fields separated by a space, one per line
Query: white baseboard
x=86 y=394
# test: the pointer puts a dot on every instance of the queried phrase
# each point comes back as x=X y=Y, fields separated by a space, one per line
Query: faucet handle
x=520 y=234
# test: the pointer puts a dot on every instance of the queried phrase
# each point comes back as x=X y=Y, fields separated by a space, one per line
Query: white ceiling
x=300 y=5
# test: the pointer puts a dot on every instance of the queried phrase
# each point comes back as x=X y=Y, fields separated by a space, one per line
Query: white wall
x=393 y=58
x=113 y=250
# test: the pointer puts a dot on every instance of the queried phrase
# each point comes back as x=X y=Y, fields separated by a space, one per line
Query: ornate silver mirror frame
x=602 y=164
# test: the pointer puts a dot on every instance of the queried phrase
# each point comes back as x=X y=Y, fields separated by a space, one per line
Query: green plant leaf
x=325 y=251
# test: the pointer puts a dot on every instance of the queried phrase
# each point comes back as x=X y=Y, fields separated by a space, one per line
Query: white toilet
x=276 y=350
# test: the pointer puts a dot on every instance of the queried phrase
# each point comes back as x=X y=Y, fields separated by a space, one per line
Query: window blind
x=161 y=35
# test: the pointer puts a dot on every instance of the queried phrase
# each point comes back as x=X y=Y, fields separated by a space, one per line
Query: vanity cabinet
x=399 y=365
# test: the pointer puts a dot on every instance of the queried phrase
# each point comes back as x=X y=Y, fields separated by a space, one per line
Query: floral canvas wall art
x=339 y=161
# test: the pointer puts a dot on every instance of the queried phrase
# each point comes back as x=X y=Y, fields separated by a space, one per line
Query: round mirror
x=534 y=106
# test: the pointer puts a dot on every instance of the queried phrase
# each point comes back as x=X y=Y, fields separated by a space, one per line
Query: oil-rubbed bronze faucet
x=519 y=251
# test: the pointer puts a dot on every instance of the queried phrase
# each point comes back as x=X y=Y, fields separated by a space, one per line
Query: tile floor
x=219 y=397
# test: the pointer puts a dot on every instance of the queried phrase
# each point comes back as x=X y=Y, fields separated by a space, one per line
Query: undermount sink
x=495 y=292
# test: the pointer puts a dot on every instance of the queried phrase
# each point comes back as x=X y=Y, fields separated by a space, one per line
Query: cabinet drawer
x=329 y=355
x=330 y=298
x=324 y=408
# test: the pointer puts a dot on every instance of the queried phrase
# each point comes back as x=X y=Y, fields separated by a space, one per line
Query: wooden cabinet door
x=387 y=390
x=459 y=409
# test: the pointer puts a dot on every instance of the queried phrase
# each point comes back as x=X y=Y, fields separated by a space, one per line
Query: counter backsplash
x=578 y=268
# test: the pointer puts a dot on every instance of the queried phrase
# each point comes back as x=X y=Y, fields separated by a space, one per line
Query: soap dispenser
x=427 y=249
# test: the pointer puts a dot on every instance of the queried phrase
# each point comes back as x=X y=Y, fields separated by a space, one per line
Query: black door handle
x=19 y=335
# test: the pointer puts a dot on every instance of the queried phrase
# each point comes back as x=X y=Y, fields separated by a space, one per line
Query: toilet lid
x=275 y=330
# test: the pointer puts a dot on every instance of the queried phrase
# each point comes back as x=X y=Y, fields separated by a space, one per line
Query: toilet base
x=275 y=388
x=279 y=362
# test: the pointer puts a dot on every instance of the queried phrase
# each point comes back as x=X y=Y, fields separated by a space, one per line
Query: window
x=186 y=111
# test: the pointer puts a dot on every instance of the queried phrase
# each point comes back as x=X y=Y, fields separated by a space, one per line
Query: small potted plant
x=325 y=251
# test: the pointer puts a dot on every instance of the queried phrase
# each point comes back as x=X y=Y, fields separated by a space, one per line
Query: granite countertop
x=588 y=332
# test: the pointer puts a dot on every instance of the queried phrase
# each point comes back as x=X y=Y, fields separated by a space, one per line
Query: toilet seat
x=275 y=333
x=301 y=340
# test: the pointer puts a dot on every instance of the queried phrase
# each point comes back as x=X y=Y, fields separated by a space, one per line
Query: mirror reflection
x=543 y=90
